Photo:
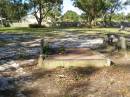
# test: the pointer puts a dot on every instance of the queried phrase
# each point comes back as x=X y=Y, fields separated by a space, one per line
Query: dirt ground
x=112 y=81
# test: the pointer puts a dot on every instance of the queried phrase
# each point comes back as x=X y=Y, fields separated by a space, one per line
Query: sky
x=68 y=5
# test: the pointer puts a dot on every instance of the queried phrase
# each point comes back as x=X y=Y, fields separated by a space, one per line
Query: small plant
x=62 y=50
x=22 y=56
x=77 y=77
x=46 y=50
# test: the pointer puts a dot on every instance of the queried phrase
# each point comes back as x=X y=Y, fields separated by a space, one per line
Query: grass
x=59 y=32
x=21 y=30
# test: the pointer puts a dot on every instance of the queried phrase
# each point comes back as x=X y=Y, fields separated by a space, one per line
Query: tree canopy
x=41 y=8
x=71 y=16
x=16 y=9
x=13 y=9
x=92 y=10
x=96 y=8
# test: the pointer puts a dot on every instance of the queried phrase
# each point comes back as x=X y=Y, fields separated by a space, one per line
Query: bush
x=7 y=25
x=36 y=26
x=47 y=50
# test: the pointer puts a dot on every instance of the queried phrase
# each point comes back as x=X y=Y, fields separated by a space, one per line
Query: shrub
x=36 y=26
x=61 y=50
x=46 y=50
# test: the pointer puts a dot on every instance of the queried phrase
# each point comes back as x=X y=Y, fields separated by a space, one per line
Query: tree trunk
x=94 y=22
x=90 y=22
x=40 y=17
x=110 y=20
x=104 y=20
x=110 y=17
x=39 y=22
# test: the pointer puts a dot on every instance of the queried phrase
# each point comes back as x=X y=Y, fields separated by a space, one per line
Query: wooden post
x=123 y=43
x=124 y=46
x=41 y=57
x=42 y=46
x=2 y=23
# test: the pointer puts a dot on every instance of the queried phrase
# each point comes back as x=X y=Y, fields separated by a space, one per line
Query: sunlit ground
x=57 y=31
x=112 y=81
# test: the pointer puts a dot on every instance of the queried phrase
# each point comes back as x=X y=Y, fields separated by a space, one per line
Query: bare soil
x=111 y=81
x=76 y=82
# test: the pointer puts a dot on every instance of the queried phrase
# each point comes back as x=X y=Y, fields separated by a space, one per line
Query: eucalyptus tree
x=71 y=16
x=92 y=8
x=113 y=6
x=13 y=9
x=4 y=8
x=41 y=8
x=55 y=14
x=128 y=17
x=98 y=8
x=19 y=8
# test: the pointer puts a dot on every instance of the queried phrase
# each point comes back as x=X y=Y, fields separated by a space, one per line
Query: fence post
x=124 y=46
x=41 y=56
x=123 y=43
x=42 y=46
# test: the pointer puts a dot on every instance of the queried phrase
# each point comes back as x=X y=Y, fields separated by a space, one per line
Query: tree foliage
x=127 y=2
x=71 y=16
x=128 y=17
x=119 y=17
x=92 y=8
x=97 y=8
x=13 y=9
x=41 y=8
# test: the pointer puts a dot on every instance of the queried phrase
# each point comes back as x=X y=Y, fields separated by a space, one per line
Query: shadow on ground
x=60 y=82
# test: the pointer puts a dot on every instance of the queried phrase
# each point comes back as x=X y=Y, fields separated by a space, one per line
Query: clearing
x=23 y=44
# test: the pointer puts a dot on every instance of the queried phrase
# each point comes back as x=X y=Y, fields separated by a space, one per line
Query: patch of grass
x=27 y=30
x=23 y=29
x=97 y=30
x=59 y=32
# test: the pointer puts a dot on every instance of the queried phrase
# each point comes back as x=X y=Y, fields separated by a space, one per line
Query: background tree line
x=16 y=9
x=93 y=10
